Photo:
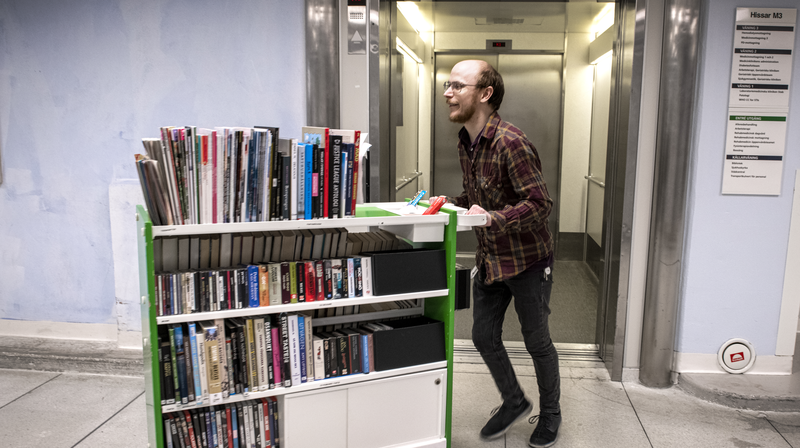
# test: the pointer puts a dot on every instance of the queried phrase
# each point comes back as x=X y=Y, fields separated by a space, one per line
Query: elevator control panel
x=357 y=36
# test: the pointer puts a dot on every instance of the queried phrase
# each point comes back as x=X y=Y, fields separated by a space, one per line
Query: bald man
x=503 y=180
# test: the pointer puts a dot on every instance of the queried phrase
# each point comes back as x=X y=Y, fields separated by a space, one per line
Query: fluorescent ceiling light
x=412 y=13
x=403 y=48
x=603 y=21
x=601 y=58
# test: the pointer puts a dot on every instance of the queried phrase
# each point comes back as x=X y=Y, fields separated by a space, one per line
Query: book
x=294 y=189
x=336 y=278
x=260 y=353
x=196 y=368
x=267 y=343
x=213 y=364
x=354 y=348
x=263 y=285
x=310 y=284
x=223 y=342
x=320 y=136
x=352 y=137
x=319 y=357
x=294 y=349
x=351 y=275
x=319 y=268
x=343 y=189
x=252 y=360
x=268 y=201
x=307 y=180
x=176 y=335
x=275 y=297
x=366 y=274
x=166 y=366
x=277 y=356
x=308 y=350
x=293 y=282
x=302 y=353
x=286 y=373
x=253 y=296
x=334 y=167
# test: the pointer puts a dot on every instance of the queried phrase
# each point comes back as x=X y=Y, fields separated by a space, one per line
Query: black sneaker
x=502 y=419
x=546 y=431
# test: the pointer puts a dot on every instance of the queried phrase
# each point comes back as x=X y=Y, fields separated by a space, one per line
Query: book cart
x=408 y=406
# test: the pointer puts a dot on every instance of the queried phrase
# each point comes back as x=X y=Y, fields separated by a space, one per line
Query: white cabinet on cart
x=400 y=411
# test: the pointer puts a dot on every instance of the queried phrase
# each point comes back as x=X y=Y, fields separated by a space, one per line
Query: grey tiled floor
x=39 y=409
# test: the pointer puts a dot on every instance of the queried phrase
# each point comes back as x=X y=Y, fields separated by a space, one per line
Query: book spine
x=292 y=282
x=307 y=179
x=277 y=357
x=294 y=350
x=359 y=279
x=301 y=181
x=202 y=365
x=252 y=361
x=356 y=155
x=293 y=190
x=301 y=281
x=319 y=268
x=366 y=274
x=286 y=372
x=301 y=339
x=309 y=346
x=263 y=285
x=328 y=279
x=275 y=284
x=364 y=353
x=310 y=281
x=319 y=358
x=315 y=182
x=268 y=353
x=198 y=393
x=168 y=385
x=261 y=361
x=335 y=171
x=224 y=362
x=287 y=186
x=254 y=299
x=351 y=285
x=322 y=154
x=343 y=187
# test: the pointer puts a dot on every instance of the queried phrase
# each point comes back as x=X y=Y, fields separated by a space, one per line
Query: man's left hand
x=478 y=210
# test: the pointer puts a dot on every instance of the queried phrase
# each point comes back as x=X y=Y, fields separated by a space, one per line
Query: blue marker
x=417 y=198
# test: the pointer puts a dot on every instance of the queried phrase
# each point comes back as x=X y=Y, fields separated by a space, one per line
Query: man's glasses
x=456 y=86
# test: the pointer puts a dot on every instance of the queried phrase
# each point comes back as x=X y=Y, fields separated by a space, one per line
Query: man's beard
x=464 y=114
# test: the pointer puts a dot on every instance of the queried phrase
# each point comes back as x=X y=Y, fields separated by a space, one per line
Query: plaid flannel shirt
x=504 y=177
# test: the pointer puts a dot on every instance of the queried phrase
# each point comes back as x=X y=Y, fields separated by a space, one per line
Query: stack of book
x=194 y=175
x=203 y=363
x=247 y=423
x=261 y=285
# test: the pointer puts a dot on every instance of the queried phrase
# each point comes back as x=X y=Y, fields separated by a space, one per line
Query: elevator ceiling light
x=603 y=21
x=411 y=12
x=503 y=21
x=403 y=48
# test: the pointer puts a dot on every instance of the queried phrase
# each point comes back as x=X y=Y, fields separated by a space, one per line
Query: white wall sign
x=759 y=100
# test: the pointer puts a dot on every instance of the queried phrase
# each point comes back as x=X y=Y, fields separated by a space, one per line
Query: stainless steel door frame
x=620 y=180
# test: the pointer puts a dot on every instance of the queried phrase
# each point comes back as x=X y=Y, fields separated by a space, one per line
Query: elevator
x=565 y=89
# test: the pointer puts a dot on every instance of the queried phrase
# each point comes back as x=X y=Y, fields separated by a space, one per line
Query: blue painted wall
x=737 y=245
x=81 y=82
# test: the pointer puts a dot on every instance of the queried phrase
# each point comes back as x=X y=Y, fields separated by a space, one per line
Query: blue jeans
x=531 y=292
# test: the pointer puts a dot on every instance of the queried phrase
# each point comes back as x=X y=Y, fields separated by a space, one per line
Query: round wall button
x=736 y=356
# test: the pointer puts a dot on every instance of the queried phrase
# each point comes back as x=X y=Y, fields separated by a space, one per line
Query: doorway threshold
x=464 y=352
